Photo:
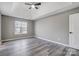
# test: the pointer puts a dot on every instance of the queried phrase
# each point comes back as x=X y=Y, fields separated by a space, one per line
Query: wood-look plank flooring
x=35 y=47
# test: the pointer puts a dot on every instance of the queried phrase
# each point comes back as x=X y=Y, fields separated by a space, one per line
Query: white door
x=0 y=28
x=74 y=30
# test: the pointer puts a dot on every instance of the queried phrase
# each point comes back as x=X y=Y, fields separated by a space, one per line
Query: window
x=20 y=27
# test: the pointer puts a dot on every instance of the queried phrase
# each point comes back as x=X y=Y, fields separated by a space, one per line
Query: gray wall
x=8 y=28
x=55 y=27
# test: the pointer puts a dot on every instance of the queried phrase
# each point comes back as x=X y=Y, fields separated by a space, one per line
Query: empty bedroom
x=39 y=29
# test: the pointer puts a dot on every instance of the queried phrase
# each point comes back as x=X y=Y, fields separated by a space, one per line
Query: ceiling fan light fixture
x=33 y=6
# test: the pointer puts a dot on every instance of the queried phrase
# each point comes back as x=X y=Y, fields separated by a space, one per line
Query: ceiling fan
x=33 y=4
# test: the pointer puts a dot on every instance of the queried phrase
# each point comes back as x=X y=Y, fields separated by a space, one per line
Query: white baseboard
x=16 y=38
x=56 y=42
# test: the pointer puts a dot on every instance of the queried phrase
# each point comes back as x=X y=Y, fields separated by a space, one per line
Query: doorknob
x=70 y=32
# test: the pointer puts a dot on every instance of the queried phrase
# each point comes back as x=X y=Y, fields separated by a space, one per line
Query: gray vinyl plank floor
x=35 y=47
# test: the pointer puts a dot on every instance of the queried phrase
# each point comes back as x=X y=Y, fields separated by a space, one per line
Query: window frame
x=20 y=27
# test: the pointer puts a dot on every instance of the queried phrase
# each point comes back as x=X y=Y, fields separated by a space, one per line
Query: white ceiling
x=19 y=9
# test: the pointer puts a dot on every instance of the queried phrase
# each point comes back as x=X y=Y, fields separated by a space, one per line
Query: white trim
x=52 y=41
x=56 y=42
x=16 y=38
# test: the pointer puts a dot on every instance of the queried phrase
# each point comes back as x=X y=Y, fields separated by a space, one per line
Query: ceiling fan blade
x=27 y=4
x=37 y=4
x=30 y=7
x=36 y=7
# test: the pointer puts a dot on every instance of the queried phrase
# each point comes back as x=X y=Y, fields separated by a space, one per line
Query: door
x=74 y=30
x=0 y=29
